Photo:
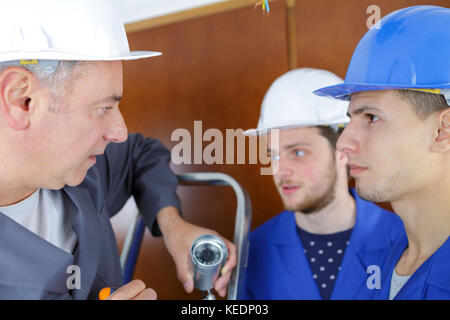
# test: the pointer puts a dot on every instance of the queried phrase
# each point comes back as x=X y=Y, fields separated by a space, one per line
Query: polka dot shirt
x=324 y=253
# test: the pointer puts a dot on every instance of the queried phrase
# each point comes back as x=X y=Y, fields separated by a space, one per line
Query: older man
x=62 y=178
x=398 y=142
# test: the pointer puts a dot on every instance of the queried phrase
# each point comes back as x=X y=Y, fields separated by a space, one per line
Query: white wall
x=136 y=10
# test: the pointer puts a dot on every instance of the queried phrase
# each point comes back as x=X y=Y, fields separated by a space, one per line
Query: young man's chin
x=293 y=204
x=289 y=202
x=370 y=193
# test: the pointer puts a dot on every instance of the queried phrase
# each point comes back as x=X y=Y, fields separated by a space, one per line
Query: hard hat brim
x=345 y=90
x=134 y=55
x=58 y=55
x=264 y=131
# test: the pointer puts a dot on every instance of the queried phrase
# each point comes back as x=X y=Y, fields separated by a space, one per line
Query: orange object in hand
x=105 y=293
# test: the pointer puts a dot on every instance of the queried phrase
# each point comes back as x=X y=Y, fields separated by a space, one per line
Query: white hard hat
x=63 y=30
x=290 y=102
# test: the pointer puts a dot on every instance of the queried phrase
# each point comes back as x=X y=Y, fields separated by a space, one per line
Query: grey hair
x=56 y=82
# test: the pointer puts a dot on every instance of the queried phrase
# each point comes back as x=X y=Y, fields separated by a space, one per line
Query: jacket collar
x=86 y=225
x=366 y=215
x=433 y=272
x=26 y=259
x=439 y=275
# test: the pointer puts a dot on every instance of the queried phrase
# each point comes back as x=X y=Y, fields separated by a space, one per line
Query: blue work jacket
x=278 y=267
x=431 y=281
x=32 y=268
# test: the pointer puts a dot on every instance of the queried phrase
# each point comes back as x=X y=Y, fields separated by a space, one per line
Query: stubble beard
x=385 y=191
x=315 y=201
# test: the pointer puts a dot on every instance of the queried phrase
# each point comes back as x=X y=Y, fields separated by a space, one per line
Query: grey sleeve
x=138 y=167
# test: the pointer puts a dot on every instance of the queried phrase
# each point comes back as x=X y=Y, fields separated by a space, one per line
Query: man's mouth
x=355 y=169
x=289 y=189
x=93 y=158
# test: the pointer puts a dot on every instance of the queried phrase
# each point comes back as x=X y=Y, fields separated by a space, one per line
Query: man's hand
x=133 y=290
x=178 y=238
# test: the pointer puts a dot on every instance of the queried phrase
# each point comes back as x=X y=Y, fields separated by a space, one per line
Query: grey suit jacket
x=32 y=268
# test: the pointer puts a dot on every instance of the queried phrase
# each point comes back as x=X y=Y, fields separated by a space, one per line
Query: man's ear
x=341 y=165
x=15 y=101
x=441 y=141
x=341 y=159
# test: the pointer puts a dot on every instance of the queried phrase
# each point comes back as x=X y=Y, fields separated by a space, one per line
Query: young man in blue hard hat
x=328 y=240
x=398 y=142
x=68 y=162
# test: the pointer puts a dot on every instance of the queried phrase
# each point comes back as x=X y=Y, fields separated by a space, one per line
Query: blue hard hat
x=411 y=50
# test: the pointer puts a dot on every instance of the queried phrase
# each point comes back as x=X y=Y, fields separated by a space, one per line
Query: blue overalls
x=278 y=267
x=431 y=281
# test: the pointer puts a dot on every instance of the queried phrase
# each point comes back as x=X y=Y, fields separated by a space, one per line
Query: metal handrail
x=134 y=236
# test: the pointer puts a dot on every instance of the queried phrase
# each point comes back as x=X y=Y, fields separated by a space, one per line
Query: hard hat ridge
x=290 y=102
x=63 y=30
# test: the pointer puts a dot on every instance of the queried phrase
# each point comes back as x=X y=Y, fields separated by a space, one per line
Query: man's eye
x=299 y=153
x=371 y=117
x=106 y=109
x=274 y=157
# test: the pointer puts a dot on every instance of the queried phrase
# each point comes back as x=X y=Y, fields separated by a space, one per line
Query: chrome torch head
x=209 y=254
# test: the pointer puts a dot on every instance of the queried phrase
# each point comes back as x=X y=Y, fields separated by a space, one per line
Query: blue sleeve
x=138 y=167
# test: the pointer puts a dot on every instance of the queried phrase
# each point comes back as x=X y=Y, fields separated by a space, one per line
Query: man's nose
x=348 y=141
x=117 y=131
x=284 y=168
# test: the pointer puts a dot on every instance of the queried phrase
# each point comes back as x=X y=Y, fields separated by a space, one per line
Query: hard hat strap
x=334 y=127
x=444 y=92
x=48 y=66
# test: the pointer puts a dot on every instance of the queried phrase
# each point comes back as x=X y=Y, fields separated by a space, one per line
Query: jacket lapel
x=26 y=262
x=369 y=245
x=293 y=257
x=87 y=227
x=351 y=277
x=300 y=273
x=434 y=272
x=353 y=269
x=439 y=275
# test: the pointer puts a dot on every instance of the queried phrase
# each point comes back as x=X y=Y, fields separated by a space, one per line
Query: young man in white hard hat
x=328 y=242
x=62 y=178
x=398 y=142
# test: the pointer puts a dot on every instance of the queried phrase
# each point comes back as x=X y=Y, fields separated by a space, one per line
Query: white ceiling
x=136 y=10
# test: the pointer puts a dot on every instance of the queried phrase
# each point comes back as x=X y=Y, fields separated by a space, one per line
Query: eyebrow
x=363 y=109
x=112 y=98
x=293 y=145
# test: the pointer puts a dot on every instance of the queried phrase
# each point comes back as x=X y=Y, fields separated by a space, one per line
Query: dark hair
x=331 y=135
x=424 y=103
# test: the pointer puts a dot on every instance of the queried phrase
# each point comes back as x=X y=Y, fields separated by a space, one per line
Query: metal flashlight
x=209 y=254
